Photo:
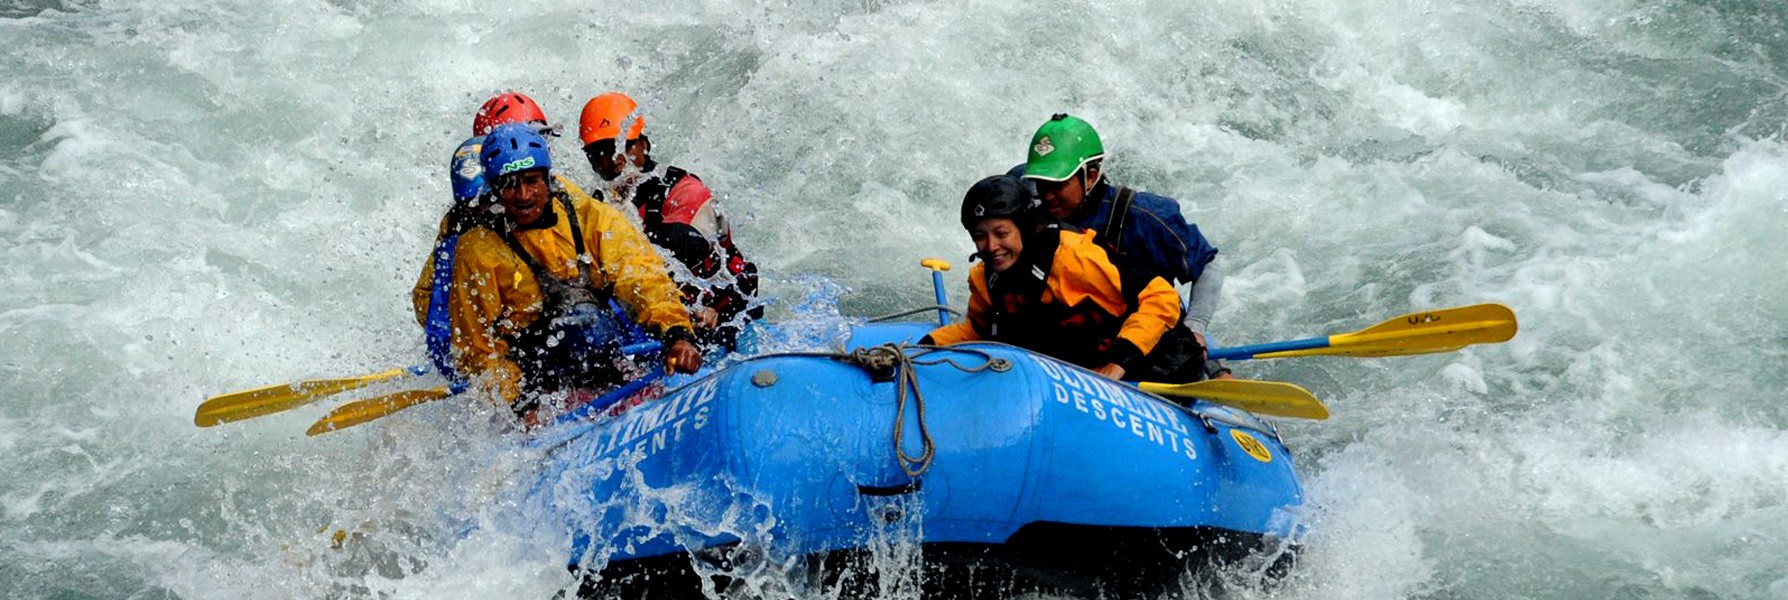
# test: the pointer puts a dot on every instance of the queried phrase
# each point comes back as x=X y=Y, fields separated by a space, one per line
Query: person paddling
x=1064 y=163
x=1047 y=287
x=530 y=323
x=679 y=215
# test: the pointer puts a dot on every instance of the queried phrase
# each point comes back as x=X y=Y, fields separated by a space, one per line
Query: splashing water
x=201 y=196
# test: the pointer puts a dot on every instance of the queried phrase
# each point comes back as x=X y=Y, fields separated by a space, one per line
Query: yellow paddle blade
x=1261 y=397
x=361 y=411
x=279 y=398
x=1443 y=330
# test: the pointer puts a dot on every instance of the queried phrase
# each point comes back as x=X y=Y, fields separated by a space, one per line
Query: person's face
x=609 y=164
x=1062 y=198
x=523 y=196
x=998 y=241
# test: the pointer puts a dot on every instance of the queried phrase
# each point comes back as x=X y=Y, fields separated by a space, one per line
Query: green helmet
x=1061 y=147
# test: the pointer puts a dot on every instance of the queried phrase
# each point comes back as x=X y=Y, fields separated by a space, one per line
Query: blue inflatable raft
x=993 y=469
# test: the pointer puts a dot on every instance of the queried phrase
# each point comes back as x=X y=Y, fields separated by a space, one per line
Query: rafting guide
x=1140 y=230
x=472 y=206
x=529 y=305
x=533 y=287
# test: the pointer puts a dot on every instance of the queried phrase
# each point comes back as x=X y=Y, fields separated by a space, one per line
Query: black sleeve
x=1128 y=356
x=688 y=245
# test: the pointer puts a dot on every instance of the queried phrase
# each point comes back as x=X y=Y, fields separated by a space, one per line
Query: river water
x=199 y=196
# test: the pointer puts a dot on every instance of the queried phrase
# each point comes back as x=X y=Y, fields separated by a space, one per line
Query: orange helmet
x=604 y=115
x=508 y=107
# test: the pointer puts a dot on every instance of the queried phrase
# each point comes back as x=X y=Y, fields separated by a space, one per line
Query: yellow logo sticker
x=1252 y=446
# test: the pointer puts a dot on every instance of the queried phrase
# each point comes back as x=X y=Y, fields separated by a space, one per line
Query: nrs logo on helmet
x=513 y=148
x=518 y=165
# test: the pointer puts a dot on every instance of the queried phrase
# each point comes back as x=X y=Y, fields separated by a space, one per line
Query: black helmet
x=998 y=196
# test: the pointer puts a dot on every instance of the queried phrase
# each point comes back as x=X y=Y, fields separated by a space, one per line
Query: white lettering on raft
x=1124 y=409
x=653 y=426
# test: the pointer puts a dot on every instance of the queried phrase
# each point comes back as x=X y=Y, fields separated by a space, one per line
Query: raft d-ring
x=999 y=365
x=764 y=378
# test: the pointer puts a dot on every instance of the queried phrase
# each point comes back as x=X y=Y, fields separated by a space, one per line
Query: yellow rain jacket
x=419 y=294
x=1081 y=314
x=495 y=296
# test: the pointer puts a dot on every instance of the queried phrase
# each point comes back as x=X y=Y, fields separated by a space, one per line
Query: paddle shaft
x=1250 y=351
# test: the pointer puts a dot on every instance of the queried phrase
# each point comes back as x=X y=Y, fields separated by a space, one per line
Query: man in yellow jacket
x=468 y=184
x=531 y=283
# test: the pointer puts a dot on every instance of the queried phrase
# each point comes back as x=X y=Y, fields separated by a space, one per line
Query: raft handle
x=890 y=490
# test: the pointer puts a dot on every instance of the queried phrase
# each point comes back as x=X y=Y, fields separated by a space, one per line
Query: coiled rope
x=897 y=360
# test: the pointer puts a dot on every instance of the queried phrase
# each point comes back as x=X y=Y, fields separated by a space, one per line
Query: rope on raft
x=895 y=362
x=899 y=360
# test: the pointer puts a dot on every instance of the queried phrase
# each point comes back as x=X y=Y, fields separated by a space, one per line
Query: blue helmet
x=513 y=148
x=465 y=170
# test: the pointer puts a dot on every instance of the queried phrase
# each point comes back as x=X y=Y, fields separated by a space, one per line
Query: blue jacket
x=1155 y=236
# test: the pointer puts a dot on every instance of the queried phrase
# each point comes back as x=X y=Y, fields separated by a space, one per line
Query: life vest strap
x=1113 y=231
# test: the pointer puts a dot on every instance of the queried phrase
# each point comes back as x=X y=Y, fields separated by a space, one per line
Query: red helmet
x=508 y=107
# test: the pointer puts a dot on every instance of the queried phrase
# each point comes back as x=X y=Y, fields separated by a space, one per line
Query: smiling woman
x=1052 y=290
x=997 y=241
x=999 y=214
